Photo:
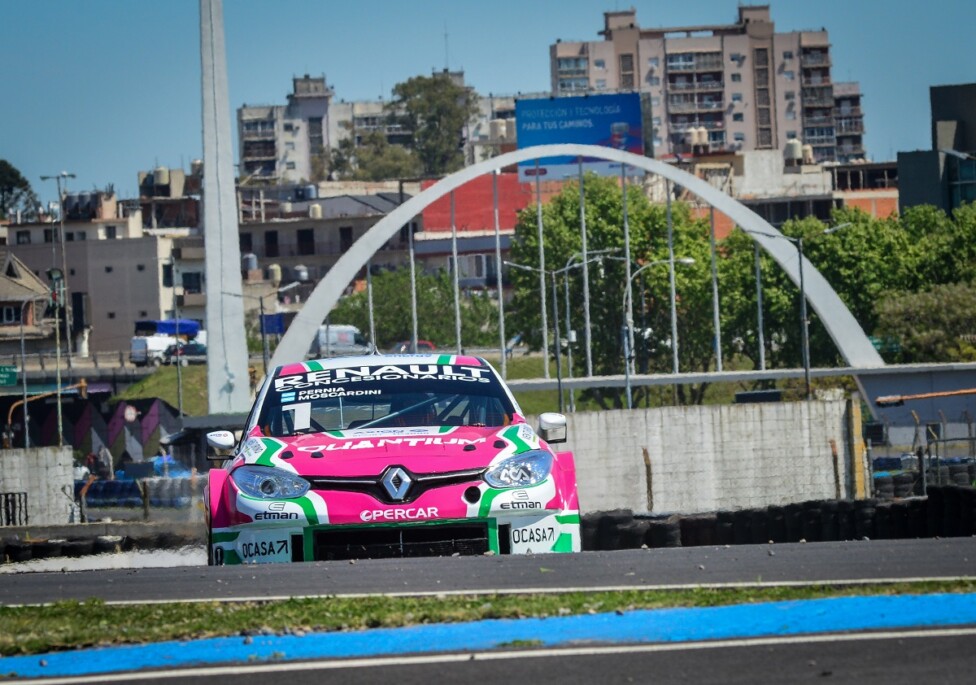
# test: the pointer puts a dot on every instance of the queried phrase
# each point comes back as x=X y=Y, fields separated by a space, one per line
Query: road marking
x=420 y=660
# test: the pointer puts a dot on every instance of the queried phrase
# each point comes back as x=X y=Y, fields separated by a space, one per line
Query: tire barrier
x=173 y=493
x=948 y=511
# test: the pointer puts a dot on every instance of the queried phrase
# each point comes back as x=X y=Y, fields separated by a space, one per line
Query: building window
x=69 y=236
x=143 y=313
x=736 y=78
x=289 y=165
x=789 y=95
x=49 y=235
x=271 y=243
x=306 y=241
x=289 y=146
x=192 y=282
x=653 y=61
x=789 y=75
x=655 y=101
x=109 y=269
x=653 y=80
x=789 y=114
x=289 y=127
x=71 y=272
x=601 y=83
x=791 y=134
x=23 y=237
x=82 y=235
x=140 y=267
x=735 y=57
x=245 y=241
x=599 y=64
x=736 y=97
x=345 y=238
x=738 y=116
x=11 y=314
x=315 y=135
x=739 y=137
x=167 y=275
x=111 y=315
x=787 y=54
x=656 y=121
x=111 y=232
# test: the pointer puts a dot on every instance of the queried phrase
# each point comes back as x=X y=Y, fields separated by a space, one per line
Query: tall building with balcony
x=720 y=88
x=278 y=143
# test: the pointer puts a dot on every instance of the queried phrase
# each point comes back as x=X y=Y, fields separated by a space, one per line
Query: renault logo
x=397 y=482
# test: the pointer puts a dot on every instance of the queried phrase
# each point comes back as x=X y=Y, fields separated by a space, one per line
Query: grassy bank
x=72 y=625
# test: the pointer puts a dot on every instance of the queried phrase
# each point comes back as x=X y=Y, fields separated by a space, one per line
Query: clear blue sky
x=108 y=88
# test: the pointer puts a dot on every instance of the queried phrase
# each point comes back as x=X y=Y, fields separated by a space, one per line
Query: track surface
x=783 y=563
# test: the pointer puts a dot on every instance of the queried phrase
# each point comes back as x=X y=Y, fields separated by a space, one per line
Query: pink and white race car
x=389 y=456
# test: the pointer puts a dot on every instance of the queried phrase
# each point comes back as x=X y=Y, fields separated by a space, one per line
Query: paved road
x=783 y=563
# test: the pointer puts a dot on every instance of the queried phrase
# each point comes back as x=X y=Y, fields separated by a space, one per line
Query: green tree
x=376 y=159
x=15 y=192
x=435 y=311
x=435 y=110
x=937 y=324
x=648 y=238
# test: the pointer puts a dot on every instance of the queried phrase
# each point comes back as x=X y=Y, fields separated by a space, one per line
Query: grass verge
x=72 y=625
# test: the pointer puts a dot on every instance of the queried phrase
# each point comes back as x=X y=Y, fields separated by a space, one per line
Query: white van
x=335 y=340
x=147 y=350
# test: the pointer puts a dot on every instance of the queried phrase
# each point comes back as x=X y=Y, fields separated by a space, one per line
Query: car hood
x=367 y=452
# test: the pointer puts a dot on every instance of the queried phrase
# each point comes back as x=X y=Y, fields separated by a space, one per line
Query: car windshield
x=324 y=401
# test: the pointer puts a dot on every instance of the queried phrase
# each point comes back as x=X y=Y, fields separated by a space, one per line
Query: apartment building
x=721 y=88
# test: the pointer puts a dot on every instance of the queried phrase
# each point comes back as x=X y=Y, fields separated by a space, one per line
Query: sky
x=105 y=89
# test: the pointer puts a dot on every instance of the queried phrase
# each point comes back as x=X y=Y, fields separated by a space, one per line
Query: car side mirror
x=552 y=427
x=221 y=441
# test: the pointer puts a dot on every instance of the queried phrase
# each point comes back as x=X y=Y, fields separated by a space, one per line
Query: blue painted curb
x=643 y=626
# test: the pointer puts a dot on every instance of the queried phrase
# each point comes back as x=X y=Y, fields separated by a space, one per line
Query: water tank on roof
x=70 y=203
x=793 y=151
x=808 y=154
x=702 y=135
x=286 y=208
x=161 y=176
x=311 y=192
x=85 y=203
x=274 y=273
x=249 y=261
x=301 y=273
x=196 y=167
x=315 y=211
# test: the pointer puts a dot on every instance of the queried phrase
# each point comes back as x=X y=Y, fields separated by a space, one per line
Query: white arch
x=847 y=334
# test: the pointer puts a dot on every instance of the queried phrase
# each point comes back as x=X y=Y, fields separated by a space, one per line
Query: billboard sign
x=606 y=120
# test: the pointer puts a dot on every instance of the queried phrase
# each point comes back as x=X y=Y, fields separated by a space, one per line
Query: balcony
x=695 y=106
x=820 y=140
x=816 y=80
x=819 y=120
x=849 y=126
x=267 y=134
x=701 y=63
x=708 y=86
x=191 y=300
x=814 y=59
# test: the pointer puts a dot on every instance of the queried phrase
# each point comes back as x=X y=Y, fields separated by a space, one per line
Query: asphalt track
x=858 y=561
x=909 y=639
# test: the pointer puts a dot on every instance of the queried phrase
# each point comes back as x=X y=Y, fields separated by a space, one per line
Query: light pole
x=57 y=281
x=629 y=319
x=571 y=264
x=23 y=373
x=265 y=353
x=555 y=318
x=64 y=261
x=804 y=320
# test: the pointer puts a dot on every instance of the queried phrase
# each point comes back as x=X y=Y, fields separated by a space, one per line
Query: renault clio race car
x=389 y=456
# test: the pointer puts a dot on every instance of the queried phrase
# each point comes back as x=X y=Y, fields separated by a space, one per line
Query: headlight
x=521 y=470
x=268 y=483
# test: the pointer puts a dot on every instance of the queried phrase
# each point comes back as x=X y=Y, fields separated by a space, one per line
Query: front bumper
x=254 y=544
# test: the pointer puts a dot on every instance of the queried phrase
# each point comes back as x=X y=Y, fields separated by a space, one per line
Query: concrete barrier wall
x=45 y=474
x=702 y=459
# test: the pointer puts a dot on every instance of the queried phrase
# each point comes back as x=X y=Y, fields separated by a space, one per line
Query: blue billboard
x=606 y=120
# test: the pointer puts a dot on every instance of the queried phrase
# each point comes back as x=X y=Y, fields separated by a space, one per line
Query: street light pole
x=23 y=374
x=629 y=318
x=64 y=260
x=804 y=321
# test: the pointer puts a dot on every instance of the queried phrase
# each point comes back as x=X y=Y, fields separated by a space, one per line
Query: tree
x=934 y=325
x=435 y=311
x=648 y=239
x=435 y=110
x=15 y=192
x=378 y=160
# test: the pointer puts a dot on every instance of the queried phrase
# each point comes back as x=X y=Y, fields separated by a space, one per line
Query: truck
x=153 y=337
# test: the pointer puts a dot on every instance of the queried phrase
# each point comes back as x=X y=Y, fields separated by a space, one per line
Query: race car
x=389 y=456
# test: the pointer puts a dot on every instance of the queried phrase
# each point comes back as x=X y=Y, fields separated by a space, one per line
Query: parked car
x=386 y=456
x=404 y=347
x=187 y=353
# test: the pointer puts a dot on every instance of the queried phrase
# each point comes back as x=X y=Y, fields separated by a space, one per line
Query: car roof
x=378 y=360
